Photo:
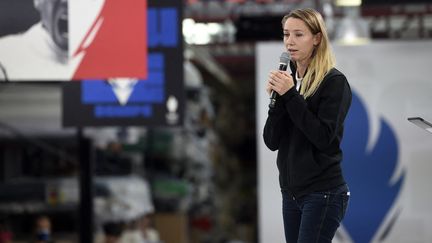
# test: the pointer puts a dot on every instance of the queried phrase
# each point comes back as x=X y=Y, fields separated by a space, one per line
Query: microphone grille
x=284 y=58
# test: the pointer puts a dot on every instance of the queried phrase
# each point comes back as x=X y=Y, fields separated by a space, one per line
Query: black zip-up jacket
x=308 y=133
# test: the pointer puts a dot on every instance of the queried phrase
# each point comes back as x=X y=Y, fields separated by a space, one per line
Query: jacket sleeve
x=274 y=125
x=322 y=126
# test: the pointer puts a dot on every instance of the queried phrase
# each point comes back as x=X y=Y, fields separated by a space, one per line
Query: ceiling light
x=347 y=3
x=352 y=29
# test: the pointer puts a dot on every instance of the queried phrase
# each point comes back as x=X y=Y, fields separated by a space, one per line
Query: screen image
x=61 y=40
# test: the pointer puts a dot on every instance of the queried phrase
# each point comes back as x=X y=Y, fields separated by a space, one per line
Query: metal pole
x=86 y=189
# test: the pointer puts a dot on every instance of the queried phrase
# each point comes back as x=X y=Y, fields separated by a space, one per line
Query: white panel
x=269 y=195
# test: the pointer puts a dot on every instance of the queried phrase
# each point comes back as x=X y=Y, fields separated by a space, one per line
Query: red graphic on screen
x=119 y=46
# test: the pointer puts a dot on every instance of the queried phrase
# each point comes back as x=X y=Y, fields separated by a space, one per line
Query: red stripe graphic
x=119 y=46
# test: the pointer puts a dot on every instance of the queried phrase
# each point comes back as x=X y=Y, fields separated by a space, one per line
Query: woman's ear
x=317 y=38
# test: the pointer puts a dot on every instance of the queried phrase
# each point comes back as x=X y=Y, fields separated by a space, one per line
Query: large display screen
x=128 y=86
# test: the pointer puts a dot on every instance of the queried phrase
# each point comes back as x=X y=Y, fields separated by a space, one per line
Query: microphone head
x=284 y=58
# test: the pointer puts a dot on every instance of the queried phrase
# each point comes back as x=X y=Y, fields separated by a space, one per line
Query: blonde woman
x=306 y=127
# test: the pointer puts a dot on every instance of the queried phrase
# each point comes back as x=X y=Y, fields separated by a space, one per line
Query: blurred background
x=93 y=149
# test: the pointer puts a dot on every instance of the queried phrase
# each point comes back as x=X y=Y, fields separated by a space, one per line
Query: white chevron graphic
x=122 y=88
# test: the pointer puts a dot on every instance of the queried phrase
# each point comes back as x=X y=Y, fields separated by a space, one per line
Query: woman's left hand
x=280 y=81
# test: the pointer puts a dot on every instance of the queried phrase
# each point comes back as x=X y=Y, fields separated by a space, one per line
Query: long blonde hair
x=322 y=57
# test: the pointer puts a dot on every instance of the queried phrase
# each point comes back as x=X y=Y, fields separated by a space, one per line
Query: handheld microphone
x=283 y=64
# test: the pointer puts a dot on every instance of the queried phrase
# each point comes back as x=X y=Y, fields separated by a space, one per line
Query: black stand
x=86 y=189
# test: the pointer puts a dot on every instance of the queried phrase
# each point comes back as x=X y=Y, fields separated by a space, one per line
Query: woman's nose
x=289 y=40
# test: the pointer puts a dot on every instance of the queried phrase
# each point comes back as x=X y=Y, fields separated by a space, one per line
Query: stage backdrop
x=386 y=158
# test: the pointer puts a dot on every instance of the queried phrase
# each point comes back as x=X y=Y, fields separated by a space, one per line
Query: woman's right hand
x=280 y=82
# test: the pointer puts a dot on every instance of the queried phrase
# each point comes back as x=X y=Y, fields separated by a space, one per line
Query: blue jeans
x=315 y=217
